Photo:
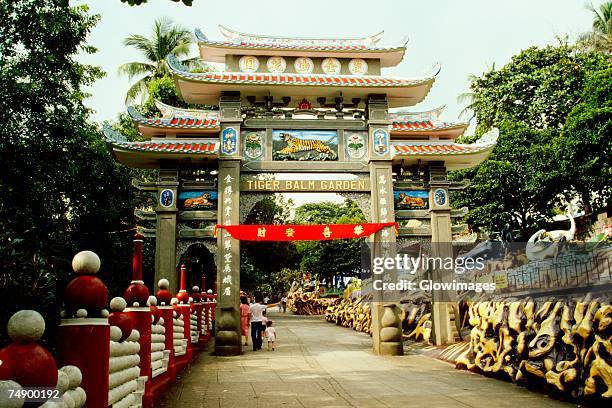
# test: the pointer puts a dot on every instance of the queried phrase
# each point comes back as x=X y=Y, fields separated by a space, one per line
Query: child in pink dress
x=270 y=335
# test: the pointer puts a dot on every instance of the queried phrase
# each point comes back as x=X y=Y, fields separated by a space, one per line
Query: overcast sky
x=465 y=37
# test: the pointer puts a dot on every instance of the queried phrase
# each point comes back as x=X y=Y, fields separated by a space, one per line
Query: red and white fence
x=124 y=359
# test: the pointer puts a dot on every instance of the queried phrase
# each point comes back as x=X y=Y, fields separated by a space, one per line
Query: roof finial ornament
x=489 y=137
x=200 y=36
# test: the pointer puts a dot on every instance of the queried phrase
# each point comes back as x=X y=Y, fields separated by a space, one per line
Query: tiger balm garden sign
x=253 y=183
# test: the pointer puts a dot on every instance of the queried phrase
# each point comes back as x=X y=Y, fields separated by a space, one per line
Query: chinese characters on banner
x=324 y=232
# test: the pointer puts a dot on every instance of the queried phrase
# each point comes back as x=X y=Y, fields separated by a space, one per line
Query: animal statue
x=559 y=345
x=548 y=244
x=295 y=145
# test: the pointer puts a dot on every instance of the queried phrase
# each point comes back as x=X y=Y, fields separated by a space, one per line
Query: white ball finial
x=163 y=283
x=134 y=335
x=68 y=401
x=86 y=263
x=195 y=289
x=209 y=291
x=5 y=400
x=74 y=375
x=104 y=313
x=152 y=301
x=81 y=313
x=117 y=304
x=174 y=301
x=63 y=382
x=81 y=394
x=115 y=333
x=26 y=326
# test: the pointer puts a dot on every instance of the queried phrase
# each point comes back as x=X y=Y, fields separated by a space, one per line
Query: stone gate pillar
x=386 y=324
x=228 y=338
x=441 y=245
x=167 y=215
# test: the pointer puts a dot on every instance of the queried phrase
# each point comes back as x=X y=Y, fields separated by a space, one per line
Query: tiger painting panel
x=305 y=144
x=197 y=200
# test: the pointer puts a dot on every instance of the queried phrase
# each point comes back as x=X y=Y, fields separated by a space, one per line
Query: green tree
x=530 y=99
x=167 y=39
x=61 y=190
x=539 y=87
x=260 y=261
x=518 y=184
x=600 y=36
x=330 y=258
x=584 y=147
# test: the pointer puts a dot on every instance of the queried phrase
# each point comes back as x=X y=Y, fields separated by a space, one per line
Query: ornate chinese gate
x=286 y=105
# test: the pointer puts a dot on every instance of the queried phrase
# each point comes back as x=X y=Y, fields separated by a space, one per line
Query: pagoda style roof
x=425 y=123
x=175 y=121
x=150 y=153
x=237 y=43
x=236 y=36
x=206 y=87
x=169 y=111
x=455 y=155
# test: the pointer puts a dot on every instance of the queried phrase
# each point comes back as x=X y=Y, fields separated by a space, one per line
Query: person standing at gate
x=245 y=315
x=256 y=327
x=284 y=303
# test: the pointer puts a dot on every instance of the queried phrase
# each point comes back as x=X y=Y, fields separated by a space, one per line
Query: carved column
x=228 y=337
x=386 y=326
x=167 y=214
x=441 y=245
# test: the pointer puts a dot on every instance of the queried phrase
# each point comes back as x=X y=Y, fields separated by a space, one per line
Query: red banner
x=323 y=232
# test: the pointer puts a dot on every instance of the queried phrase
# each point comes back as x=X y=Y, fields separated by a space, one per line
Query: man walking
x=284 y=303
x=256 y=311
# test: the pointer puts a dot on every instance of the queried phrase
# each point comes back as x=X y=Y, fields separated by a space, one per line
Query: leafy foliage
x=600 y=37
x=61 y=190
x=167 y=39
x=330 y=258
x=260 y=261
x=271 y=267
x=549 y=148
x=539 y=87
x=162 y=89
x=516 y=185
x=584 y=147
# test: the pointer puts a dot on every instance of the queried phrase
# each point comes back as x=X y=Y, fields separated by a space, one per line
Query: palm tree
x=167 y=38
x=600 y=37
x=470 y=98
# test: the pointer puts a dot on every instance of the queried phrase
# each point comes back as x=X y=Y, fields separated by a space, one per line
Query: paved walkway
x=318 y=364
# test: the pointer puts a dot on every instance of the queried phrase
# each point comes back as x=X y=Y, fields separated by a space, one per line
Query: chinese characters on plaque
x=228 y=189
